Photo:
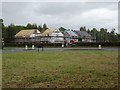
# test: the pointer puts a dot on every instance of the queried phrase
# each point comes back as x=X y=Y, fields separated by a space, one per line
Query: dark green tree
x=62 y=29
x=94 y=33
x=8 y=33
x=35 y=26
x=30 y=26
x=1 y=27
x=39 y=28
x=88 y=31
x=118 y=37
x=112 y=36
x=44 y=27
x=83 y=28
x=103 y=35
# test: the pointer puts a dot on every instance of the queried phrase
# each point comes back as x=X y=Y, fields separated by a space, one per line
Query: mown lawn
x=63 y=69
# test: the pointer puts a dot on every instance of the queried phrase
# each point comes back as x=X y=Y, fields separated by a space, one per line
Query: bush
x=97 y=43
x=30 y=44
x=60 y=44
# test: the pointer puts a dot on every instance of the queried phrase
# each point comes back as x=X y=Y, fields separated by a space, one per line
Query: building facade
x=70 y=36
x=28 y=35
x=83 y=36
x=53 y=36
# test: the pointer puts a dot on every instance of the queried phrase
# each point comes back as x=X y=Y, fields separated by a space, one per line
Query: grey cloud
x=14 y=12
x=0 y=10
x=60 y=0
x=56 y=14
x=73 y=8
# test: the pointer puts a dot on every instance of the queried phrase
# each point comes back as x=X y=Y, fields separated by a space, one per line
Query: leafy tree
x=1 y=26
x=83 y=28
x=44 y=27
x=94 y=33
x=113 y=31
x=39 y=28
x=103 y=35
x=118 y=37
x=11 y=32
x=30 y=26
x=1 y=23
x=88 y=31
x=62 y=29
x=112 y=36
x=35 y=26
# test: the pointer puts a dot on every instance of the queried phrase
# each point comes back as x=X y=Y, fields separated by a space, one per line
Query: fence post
x=26 y=47
x=99 y=46
x=33 y=47
x=62 y=45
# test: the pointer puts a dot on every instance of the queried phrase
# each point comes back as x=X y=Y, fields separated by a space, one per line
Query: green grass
x=71 y=69
x=9 y=48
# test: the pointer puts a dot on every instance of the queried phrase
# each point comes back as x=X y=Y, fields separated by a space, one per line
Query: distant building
x=71 y=36
x=57 y=36
x=53 y=36
x=83 y=36
x=28 y=35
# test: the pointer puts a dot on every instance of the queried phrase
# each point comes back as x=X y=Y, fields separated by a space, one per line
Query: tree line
x=102 y=35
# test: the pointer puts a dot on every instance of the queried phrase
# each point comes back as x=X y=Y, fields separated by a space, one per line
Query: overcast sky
x=66 y=14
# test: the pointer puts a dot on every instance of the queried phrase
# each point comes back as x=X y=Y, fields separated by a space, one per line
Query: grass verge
x=71 y=69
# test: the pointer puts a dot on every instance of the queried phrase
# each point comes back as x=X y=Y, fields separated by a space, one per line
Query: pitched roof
x=65 y=34
x=27 y=33
x=71 y=33
x=48 y=32
x=82 y=33
x=57 y=33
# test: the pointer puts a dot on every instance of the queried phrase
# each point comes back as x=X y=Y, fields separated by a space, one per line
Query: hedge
x=60 y=44
x=97 y=43
x=30 y=44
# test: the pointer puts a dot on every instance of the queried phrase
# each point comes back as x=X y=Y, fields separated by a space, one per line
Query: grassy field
x=63 y=69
